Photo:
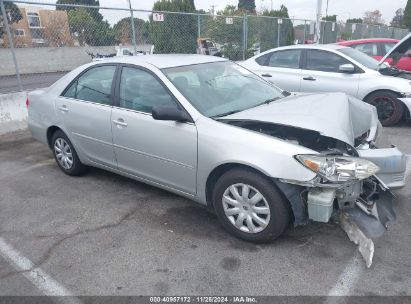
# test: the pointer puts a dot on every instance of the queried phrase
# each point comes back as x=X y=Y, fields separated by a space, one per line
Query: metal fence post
x=133 y=29
x=245 y=34
x=6 y=24
x=305 y=31
x=278 y=32
x=199 y=25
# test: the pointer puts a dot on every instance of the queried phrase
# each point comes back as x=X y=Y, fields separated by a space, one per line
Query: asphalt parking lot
x=102 y=234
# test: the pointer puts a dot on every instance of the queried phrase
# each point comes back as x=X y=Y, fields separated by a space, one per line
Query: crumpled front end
x=363 y=208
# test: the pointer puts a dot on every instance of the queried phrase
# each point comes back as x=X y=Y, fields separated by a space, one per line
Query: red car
x=377 y=48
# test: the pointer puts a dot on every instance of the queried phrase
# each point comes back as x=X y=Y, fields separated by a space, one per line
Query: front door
x=321 y=74
x=164 y=152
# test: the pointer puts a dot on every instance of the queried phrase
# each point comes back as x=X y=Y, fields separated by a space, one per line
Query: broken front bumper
x=363 y=223
x=364 y=210
x=392 y=163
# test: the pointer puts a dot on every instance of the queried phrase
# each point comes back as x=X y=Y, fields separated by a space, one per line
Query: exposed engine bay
x=304 y=137
x=362 y=207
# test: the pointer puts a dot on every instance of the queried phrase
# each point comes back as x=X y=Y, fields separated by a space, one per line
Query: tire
x=72 y=166
x=390 y=109
x=279 y=210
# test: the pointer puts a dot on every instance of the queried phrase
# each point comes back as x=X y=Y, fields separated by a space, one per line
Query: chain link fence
x=40 y=41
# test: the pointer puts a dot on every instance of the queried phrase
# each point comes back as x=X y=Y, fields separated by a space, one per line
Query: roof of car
x=305 y=46
x=370 y=40
x=162 y=61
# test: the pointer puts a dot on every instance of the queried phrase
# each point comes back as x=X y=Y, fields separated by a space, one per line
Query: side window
x=285 y=59
x=324 y=61
x=370 y=49
x=94 y=85
x=262 y=60
x=141 y=91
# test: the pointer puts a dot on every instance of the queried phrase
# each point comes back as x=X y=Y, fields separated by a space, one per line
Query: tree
x=332 y=18
x=94 y=12
x=354 y=20
x=373 y=18
x=229 y=10
x=88 y=30
x=13 y=13
x=229 y=36
x=398 y=19
x=269 y=29
x=247 y=6
x=123 y=32
x=178 y=32
x=407 y=15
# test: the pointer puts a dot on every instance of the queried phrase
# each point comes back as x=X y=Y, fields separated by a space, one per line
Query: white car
x=335 y=68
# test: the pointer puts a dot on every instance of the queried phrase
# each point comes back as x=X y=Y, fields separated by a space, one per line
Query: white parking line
x=347 y=280
x=44 y=282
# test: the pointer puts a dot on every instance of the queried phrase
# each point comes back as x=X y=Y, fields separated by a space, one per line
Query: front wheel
x=390 y=110
x=249 y=206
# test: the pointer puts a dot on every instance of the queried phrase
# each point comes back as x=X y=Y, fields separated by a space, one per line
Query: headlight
x=339 y=168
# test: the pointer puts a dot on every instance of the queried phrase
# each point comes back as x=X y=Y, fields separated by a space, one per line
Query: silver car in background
x=210 y=130
x=336 y=68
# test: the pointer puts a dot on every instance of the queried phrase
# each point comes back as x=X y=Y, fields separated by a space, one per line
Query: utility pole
x=133 y=30
x=318 y=22
x=212 y=9
x=326 y=9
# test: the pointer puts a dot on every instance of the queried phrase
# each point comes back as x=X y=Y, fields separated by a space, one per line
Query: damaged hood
x=334 y=115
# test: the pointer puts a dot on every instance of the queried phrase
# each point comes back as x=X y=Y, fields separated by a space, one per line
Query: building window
x=19 y=32
x=34 y=20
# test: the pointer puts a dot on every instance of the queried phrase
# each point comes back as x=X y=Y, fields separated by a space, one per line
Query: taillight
x=27 y=102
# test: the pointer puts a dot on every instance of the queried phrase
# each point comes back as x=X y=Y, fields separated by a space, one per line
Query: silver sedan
x=210 y=130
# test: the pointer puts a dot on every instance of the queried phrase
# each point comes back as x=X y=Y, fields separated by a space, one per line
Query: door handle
x=120 y=122
x=63 y=108
x=266 y=75
x=310 y=78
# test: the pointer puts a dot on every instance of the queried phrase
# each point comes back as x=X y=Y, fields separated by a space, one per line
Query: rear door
x=282 y=68
x=321 y=73
x=164 y=152
x=84 y=112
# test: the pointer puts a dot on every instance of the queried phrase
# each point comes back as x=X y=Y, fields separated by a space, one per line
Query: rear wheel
x=249 y=206
x=65 y=155
x=390 y=110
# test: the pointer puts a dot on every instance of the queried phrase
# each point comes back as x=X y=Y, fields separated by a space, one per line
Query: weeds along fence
x=40 y=41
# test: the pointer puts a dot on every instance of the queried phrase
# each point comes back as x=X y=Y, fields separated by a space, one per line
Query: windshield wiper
x=270 y=100
x=225 y=114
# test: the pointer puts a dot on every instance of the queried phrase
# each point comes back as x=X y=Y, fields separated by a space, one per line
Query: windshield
x=221 y=88
x=360 y=57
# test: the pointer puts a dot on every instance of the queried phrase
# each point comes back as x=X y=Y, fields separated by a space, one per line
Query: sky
x=298 y=9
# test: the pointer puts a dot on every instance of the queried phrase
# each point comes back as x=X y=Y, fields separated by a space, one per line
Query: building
x=41 y=27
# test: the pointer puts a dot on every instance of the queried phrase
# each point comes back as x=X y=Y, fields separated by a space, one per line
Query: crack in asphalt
x=64 y=237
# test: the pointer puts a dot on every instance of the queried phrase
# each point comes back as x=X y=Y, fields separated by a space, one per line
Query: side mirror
x=347 y=68
x=170 y=113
